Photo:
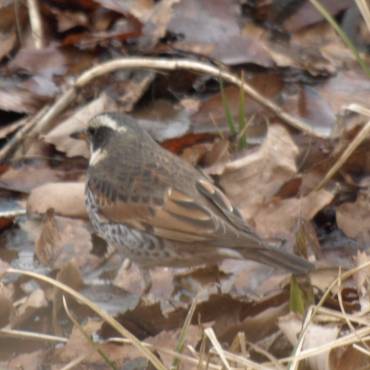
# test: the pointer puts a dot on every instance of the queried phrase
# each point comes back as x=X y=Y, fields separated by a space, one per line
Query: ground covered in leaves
x=268 y=100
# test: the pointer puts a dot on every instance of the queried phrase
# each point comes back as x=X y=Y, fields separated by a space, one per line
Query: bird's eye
x=91 y=131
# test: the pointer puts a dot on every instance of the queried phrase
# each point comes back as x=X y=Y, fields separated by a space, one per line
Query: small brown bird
x=159 y=210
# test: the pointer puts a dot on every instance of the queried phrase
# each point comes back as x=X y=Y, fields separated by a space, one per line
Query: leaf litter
x=245 y=314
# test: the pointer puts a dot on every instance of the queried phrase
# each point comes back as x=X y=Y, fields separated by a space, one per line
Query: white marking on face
x=97 y=156
x=109 y=122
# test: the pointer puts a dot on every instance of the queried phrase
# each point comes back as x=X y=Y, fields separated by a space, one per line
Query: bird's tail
x=278 y=258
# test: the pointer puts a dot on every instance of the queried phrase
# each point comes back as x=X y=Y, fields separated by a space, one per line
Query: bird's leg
x=126 y=264
x=147 y=279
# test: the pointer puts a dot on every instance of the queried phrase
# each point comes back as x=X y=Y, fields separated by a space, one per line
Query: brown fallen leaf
x=48 y=245
x=129 y=278
x=281 y=216
x=3 y=268
x=353 y=217
x=362 y=278
x=29 y=308
x=27 y=175
x=30 y=361
x=7 y=43
x=69 y=275
x=253 y=179
x=66 y=198
x=63 y=240
x=6 y=303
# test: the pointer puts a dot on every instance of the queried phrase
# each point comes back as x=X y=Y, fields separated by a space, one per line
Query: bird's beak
x=80 y=135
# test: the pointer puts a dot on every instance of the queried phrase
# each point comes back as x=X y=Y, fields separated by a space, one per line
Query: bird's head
x=112 y=132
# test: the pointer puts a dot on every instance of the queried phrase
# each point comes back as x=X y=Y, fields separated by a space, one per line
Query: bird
x=159 y=210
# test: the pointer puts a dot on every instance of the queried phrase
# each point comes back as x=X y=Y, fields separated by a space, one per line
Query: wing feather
x=178 y=218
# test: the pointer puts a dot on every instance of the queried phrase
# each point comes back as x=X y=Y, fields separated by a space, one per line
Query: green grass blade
x=323 y=11
x=229 y=116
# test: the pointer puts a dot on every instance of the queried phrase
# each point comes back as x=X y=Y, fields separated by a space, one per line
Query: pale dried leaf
x=281 y=216
x=353 y=218
x=60 y=136
x=66 y=198
x=315 y=336
x=29 y=308
x=252 y=180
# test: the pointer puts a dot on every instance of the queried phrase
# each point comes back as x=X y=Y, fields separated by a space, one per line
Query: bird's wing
x=223 y=204
x=180 y=216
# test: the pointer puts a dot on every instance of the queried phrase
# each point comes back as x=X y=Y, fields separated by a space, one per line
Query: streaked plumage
x=160 y=211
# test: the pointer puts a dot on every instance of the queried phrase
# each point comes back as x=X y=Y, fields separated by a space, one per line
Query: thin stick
x=36 y=23
x=14 y=142
x=46 y=121
x=31 y=335
x=195 y=66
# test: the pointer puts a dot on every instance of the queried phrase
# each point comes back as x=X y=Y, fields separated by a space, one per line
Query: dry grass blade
x=74 y=363
x=339 y=316
x=298 y=350
x=31 y=335
x=200 y=362
x=267 y=354
x=361 y=349
x=109 y=319
x=360 y=137
x=245 y=362
x=93 y=345
x=217 y=346
x=326 y=14
x=365 y=11
x=182 y=337
x=203 y=355
x=341 y=305
x=346 y=340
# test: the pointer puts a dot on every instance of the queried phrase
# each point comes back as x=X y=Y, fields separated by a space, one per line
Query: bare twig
x=14 y=142
x=4 y=332
x=46 y=120
x=36 y=23
x=195 y=66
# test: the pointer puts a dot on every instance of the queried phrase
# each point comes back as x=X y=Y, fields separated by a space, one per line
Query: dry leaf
x=66 y=198
x=316 y=335
x=353 y=218
x=252 y=180
x=28 y=309
x=60 y=136
x=280 y=217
